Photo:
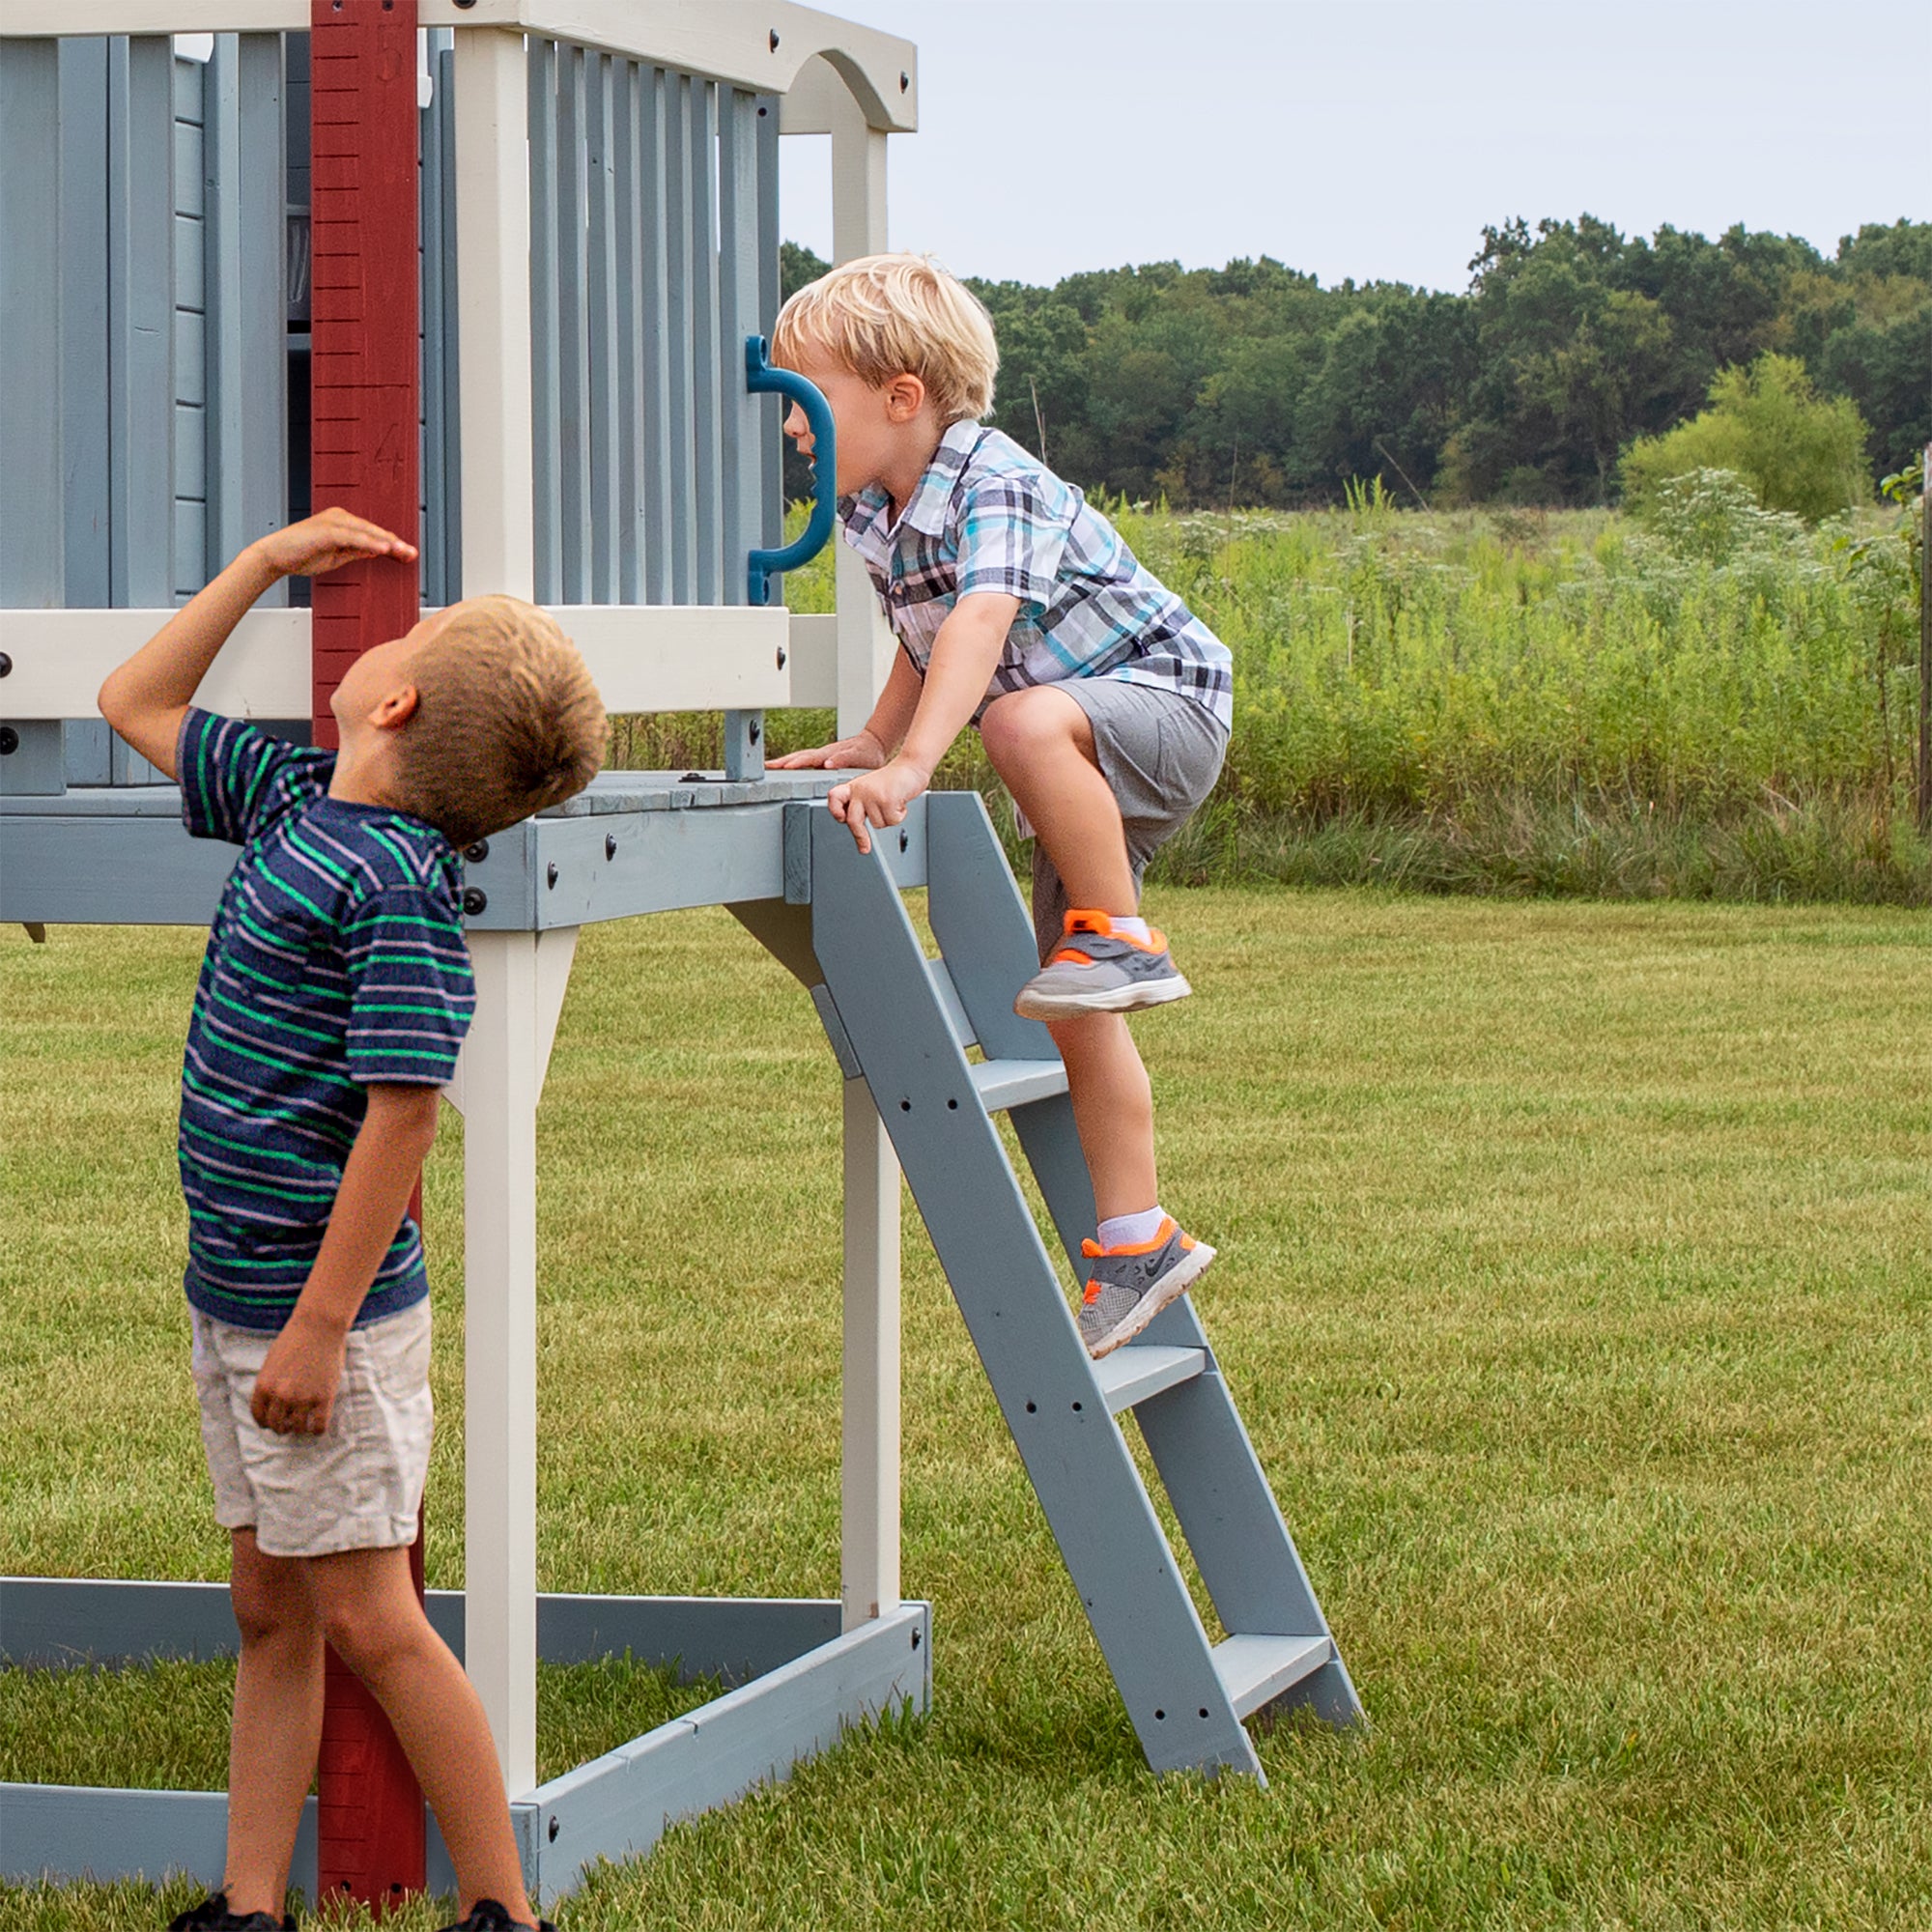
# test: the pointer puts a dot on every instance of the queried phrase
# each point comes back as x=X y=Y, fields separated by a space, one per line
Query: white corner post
x=503 y=1066
x=492 y=292
x=869 y=1552
x=865 y=642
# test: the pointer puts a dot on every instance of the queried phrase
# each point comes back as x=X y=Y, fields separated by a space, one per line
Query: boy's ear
x=905 y=397
x=395 y=709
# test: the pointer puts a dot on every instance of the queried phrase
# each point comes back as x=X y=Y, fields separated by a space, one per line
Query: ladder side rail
x=1221 y=1493
x=1010 y=1297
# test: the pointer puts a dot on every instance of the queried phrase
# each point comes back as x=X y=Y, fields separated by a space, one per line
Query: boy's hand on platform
x=325 y=542
x=295 y=1393
x=861 y=749
x=879 y=798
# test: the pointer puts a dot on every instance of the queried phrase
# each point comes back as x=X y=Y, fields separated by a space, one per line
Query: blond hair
x=506 y=722
x=882 y=316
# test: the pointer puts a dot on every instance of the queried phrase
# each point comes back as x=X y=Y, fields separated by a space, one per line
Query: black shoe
x=213 y=1914
x=487 y=1915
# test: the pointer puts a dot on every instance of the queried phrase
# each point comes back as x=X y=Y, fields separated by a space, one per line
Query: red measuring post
x=364 y=399
x=364 y=381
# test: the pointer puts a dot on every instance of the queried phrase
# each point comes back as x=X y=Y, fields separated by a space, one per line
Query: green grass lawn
x=1576 y=1286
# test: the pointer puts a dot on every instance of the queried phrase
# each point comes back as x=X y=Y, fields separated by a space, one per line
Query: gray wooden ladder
x=904 y=1022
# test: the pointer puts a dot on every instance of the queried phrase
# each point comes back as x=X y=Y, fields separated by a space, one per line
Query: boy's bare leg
x=369 y=1611
x=1113 y=1108
x=1041 y=744
x=277 y=1725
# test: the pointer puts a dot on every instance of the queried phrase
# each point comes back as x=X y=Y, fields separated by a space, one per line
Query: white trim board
x=661 y=657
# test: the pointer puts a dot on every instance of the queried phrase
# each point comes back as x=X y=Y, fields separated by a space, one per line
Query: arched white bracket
x=555 y=952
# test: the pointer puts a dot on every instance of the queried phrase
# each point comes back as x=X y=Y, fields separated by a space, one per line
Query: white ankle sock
x=1130 y=1231
x=1130 y=929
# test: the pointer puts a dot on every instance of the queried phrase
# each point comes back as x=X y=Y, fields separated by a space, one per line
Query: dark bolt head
x=781 y=660
x=9 y=741
x=610 y=845
x=474 y=901
x=905 y=838
x=477 y=852
x=906 y=83
x=754 y=731
x=775 y=40
x=550 y=875
x=555 y=1827
x=692 y=778
x=7 y=664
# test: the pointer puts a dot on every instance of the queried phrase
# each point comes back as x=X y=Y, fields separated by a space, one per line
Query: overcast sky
x=1374 y=138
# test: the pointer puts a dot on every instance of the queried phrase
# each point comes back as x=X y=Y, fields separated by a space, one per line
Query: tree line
x=1253 y=385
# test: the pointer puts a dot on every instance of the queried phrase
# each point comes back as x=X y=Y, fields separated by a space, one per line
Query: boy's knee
x=370 y=1631
x=271 y=1606
x=1029 y=724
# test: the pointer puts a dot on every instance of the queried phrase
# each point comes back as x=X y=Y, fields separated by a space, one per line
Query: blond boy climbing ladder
x=1103 y=703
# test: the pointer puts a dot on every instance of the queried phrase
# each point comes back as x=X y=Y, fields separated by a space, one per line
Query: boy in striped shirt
x=1103 y=703
x=335 y=994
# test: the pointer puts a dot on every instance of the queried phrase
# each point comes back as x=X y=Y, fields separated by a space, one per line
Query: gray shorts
x=356 y=1486
x=1160 y=752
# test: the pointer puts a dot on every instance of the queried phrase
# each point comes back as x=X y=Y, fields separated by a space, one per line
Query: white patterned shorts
x=356 y=1486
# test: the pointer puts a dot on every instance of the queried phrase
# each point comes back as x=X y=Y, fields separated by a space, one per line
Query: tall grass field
x=1718 y=702
x=1575 y=1284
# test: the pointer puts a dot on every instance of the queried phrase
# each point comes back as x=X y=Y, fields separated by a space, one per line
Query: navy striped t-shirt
x=336 y=960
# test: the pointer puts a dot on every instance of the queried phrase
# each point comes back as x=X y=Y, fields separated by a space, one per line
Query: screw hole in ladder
x=905 y=1106
x=1077 y=1408
x=1033 y=1408
x=1160 y=1717
x=952 y=1106
x=1203 y=1710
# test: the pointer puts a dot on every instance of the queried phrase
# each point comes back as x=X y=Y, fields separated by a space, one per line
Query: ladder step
x=1255 y=1670
x=1013 y=1083
x=1133 y=1374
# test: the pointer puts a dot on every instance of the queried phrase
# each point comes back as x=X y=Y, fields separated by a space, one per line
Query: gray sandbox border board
x=800 y=1685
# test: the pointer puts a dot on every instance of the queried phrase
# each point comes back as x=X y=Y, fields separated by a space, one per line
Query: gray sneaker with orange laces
x=1130 y=1286
x=1101 y=971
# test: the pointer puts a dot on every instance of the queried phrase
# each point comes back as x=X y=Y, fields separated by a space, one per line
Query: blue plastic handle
x=761 y=379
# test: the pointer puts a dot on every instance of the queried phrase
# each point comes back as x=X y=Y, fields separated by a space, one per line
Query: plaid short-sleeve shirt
x=986 y=516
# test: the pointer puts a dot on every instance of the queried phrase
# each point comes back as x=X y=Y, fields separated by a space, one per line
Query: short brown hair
x=882 y=316
x=506 y=722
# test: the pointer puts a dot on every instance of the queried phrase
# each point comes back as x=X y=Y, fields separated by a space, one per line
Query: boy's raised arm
x=147 y=697
x=964 y=657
